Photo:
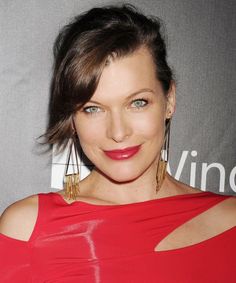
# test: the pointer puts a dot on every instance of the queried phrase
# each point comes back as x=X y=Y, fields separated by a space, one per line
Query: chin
x=121 y=176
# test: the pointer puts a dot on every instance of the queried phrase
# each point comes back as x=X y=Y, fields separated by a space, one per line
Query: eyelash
x=133 y=101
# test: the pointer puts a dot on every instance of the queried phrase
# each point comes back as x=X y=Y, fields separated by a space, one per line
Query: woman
x=128 y=221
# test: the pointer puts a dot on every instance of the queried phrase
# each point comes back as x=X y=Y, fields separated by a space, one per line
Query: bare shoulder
x=175 y=187
x=18 y=219
x=228 y=207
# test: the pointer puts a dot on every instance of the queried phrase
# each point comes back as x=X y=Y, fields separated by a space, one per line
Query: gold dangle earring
x=71 y=180
x=163 y=159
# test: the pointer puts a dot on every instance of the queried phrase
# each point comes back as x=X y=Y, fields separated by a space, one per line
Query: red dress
x=89 y=243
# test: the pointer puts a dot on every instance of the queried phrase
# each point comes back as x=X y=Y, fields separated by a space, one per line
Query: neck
x=140 y=189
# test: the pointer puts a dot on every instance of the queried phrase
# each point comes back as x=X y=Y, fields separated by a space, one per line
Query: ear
x=73 y=128
x=171 y=103
x=73 y=124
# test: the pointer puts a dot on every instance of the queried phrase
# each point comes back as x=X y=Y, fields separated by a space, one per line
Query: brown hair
x=82 y=50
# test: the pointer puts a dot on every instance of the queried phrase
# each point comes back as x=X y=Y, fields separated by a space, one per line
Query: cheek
x=90 y=134
x=149 y=125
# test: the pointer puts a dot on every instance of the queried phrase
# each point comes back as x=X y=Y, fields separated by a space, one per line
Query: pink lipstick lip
x=120 y=154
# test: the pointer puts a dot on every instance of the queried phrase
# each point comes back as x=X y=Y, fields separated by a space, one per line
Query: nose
x=118 y=127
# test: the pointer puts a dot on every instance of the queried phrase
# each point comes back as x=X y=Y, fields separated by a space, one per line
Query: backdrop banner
x=201 y=43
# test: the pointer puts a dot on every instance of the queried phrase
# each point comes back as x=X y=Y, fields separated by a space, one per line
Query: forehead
x=128 y=74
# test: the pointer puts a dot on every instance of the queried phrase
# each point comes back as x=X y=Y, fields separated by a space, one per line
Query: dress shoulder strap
x=45 y=209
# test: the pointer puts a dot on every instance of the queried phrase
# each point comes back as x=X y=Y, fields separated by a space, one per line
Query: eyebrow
x=130 y=96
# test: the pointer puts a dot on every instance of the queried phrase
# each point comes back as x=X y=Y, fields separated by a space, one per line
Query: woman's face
x=128 y=109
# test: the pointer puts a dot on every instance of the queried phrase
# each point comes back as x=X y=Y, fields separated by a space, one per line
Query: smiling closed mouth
x=121 y=154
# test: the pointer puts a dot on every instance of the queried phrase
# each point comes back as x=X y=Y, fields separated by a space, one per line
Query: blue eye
x=91 y=109
x=139 y=103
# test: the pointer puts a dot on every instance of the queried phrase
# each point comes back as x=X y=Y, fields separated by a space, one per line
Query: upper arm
x=18 y=220
x=229 y=210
